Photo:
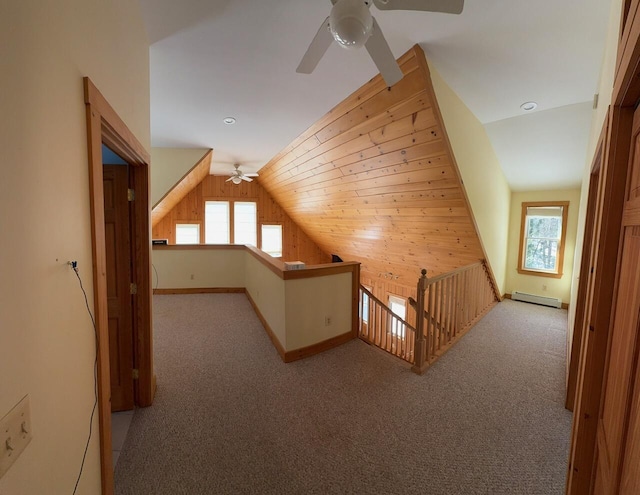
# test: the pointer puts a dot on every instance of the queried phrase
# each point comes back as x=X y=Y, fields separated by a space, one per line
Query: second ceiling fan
x=351 y=25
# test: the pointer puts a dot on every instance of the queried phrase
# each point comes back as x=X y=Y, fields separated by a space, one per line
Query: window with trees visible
x=272 y=240
x=542 y=238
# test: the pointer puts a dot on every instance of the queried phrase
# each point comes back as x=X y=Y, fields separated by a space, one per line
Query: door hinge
x=136 y=374
x=133 y=288
x=131 y=194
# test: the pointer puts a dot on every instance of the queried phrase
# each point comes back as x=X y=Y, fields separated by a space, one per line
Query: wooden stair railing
x=383 y=328
x=450 y=305
x=447 y=307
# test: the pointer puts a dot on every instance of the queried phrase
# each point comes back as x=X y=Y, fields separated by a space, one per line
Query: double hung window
x=543 y=230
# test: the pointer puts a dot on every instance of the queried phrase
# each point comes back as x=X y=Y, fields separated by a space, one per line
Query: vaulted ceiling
x=216 y=58
x=375 y=180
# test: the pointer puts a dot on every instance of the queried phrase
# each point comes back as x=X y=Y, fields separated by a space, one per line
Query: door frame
x=104 y=126
x=587 y=249
x=602 y=282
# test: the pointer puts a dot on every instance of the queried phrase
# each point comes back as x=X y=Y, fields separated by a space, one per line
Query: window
x=272 y=240
x=216 y=222
x=542 y=234
x=245 y=229
x=219 y=217
x=365 y=305
x=187 y=233
x=399 y=308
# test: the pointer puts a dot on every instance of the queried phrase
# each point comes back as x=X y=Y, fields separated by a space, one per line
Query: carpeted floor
x=230 y=417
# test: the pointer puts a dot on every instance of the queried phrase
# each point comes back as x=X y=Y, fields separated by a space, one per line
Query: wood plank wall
x=296 y=243
x=375 y=181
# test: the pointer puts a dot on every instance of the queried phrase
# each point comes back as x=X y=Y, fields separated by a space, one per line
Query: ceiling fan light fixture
x=351 y=23
x=236 y=180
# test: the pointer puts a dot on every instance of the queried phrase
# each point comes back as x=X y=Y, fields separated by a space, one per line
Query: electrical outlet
x=192 y=276
x=15 y=434
x=327 y=321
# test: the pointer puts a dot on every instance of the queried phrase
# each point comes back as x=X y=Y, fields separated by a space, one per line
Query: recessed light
x=528 y=106
x=229 y=120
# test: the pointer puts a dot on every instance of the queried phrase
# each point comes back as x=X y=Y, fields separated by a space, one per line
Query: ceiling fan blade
x=251 y=175
x=382 y=56
x=244 y=177
x=445 y=6
x=316 y=49
x=230 y=178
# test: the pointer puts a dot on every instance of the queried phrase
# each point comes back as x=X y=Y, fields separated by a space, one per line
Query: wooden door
x=618 y=436
x=118 y=255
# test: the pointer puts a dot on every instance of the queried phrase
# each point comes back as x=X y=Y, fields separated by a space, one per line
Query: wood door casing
x=622 y=360
x=618 y=436
x=118 y=257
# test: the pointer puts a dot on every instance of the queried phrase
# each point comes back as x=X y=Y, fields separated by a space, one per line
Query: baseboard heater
x=531 y=298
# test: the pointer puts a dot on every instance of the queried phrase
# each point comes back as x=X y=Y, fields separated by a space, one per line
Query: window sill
x=539 y=274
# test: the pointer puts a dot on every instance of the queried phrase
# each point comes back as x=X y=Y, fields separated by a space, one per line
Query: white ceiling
x=216 y=58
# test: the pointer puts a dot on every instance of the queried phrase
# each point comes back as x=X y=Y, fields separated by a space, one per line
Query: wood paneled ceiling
x=375 y=181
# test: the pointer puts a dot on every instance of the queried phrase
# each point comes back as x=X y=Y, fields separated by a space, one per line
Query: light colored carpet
x=230 y=417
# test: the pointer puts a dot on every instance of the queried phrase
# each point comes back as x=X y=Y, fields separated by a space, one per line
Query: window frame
x=232 y=211
x=397 y=333
x=231 y=205
x=273 y=224
x=187 y=222
x=561 y=242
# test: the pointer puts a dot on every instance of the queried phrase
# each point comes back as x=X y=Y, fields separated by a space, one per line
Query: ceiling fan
x=237 y=176
x=351 y=25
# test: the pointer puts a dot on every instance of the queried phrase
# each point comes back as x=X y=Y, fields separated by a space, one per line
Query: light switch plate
x=15 y=434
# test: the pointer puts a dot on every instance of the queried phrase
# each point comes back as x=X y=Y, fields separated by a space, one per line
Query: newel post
x=421 y=343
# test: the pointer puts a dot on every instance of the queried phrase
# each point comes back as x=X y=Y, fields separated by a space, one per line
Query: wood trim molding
x=105 y=126
x=312 y=350
x=273 y=264
x=267 y=328
x=601 y=290
x=585 y=266
x=202 y=290
x=198 y=247
x=563 y=235
x=626 y=90
x=184 y=186
x=304 y=352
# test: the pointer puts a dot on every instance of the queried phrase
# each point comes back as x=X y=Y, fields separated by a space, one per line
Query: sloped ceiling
x=211 y=59
x=375 y=181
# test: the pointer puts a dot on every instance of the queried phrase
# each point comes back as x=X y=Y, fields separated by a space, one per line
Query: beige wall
x=295 y=310
x=168 y=166
x=484 y=182
x=198 y=268
x=605 y=89
x=46 y=337
x=542 y=286
x=268 y=293
x=309 y=301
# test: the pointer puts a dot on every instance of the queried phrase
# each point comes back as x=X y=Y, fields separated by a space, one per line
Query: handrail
x=454 y=272
x=387 y=308
x=273 y=264
x=447 y=307
x=380 y=326
x=452 y=303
